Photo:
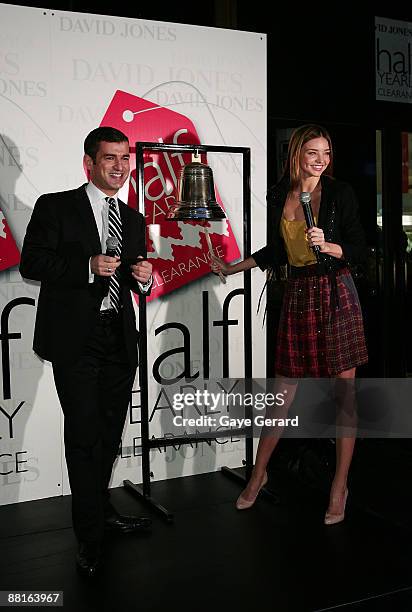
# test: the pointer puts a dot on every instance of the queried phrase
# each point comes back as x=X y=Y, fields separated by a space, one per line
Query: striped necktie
x=115 y=229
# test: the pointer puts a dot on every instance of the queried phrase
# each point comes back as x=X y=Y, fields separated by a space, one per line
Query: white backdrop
x=58 y=74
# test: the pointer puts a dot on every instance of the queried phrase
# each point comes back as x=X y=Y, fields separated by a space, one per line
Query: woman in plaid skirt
x=320 y=328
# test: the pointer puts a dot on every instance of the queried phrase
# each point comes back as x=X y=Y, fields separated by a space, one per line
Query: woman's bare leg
x=345 y=444
x=269 y=438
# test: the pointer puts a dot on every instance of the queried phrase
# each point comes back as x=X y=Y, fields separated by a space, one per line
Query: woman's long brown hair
x=299 y=137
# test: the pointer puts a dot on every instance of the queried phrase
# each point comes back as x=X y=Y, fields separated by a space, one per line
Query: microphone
x=305 y=199
x=111 y=246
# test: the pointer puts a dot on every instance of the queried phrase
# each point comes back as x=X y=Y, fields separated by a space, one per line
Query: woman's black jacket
x=338 y=217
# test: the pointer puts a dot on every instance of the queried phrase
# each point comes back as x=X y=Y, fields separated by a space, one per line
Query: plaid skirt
x=314 y=338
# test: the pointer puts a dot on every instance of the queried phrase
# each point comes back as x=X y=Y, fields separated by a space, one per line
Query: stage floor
x=213 y=557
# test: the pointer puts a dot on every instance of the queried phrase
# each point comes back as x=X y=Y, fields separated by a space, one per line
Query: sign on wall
x=393 y=60
x=177 y=250
x=61 y=75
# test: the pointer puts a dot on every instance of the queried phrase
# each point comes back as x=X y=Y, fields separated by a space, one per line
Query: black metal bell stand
x=143 y=491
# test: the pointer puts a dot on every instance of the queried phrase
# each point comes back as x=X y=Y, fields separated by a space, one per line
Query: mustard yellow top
x=296 y=243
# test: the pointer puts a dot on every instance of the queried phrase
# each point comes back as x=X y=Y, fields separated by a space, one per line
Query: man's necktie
x=115 y=229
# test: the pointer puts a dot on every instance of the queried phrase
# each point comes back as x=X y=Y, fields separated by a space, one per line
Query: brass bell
x=196 y=195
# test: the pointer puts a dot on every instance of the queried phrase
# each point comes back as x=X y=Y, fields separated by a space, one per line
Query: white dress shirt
x=100 y=208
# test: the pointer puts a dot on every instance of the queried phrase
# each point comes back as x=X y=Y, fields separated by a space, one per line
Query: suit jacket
x=338 y=217
x=60 y=239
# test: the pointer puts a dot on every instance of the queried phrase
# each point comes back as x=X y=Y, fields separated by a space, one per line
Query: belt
x=314 y=270
x=303 y=271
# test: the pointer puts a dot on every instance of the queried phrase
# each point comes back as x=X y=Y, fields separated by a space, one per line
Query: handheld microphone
x=305 y=199
x=111 y=246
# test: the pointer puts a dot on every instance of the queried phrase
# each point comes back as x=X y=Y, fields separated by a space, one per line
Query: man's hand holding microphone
x=104 y=265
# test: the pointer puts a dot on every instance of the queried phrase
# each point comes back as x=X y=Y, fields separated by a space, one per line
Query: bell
x=196 y=195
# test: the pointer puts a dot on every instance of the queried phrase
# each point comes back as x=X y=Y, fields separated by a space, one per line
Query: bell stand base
x=143 y=492
x=137 y=491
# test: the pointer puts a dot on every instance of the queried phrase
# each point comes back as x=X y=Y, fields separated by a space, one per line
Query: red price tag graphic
x=177 y=250
x=9 y=253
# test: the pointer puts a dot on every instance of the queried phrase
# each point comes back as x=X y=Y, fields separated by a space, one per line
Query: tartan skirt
x=315 y=339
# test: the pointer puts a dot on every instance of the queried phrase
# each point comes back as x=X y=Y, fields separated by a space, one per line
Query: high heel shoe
x=244 y=504
x=332 y=519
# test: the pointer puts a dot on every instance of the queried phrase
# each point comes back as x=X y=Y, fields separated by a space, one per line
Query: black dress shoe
x=127 y=524
x=89 y=559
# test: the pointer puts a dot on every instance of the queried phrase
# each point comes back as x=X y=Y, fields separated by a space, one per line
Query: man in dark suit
x=86 y=326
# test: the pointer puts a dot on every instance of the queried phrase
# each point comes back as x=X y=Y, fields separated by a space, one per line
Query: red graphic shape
x=9 y=253
x=177 y=250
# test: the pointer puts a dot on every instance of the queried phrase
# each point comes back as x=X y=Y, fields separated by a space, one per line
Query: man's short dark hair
x=102 y=134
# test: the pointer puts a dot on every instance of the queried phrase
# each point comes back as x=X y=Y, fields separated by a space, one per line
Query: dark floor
x=275 y=557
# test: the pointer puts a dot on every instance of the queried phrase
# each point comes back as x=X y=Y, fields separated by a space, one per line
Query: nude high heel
x=244 y=504
x=332 y=519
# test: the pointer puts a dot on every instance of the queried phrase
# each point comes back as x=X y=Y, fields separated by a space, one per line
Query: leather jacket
x=338 y=217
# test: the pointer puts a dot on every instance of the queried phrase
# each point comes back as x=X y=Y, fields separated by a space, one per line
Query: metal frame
x=143 y=491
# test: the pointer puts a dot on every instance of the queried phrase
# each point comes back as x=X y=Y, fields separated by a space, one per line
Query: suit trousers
x=94 y=393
